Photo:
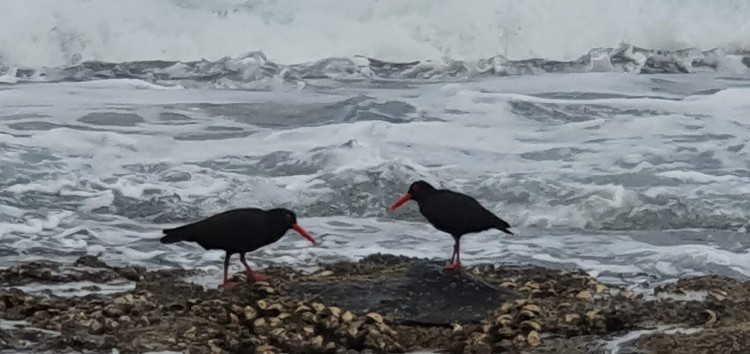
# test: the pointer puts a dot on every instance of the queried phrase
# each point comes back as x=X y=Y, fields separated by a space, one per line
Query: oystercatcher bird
x=238 y=231
x=452 y=212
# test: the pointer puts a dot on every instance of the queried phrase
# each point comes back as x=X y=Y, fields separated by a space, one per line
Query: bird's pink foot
x=256 y=277
x=452 y=266
x=229 y=284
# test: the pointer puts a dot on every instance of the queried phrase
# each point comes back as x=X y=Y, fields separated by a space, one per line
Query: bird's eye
x=288 y=217
x=415 y=187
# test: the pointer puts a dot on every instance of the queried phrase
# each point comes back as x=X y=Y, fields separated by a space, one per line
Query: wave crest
x=253 y=70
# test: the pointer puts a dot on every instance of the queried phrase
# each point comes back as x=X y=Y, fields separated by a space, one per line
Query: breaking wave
x=254 y=71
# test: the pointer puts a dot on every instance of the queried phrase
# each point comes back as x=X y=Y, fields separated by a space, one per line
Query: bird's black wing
x=457 y=214
x=220 y=230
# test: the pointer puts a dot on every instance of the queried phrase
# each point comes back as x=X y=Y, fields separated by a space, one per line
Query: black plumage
x=238 y=231
x=454 y=213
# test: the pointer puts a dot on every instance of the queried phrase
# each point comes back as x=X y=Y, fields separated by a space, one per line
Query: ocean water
x=612 y=135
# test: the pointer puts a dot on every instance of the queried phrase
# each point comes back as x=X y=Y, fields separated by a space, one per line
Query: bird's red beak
x=400 y=202
x=304 y=233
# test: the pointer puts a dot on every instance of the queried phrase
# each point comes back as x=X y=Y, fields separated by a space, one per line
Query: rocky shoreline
x=377 y=305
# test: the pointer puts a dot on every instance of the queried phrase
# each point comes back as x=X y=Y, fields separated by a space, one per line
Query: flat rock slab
x=421 y=293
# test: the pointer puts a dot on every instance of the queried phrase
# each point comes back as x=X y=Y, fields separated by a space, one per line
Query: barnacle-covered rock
x=532 y=309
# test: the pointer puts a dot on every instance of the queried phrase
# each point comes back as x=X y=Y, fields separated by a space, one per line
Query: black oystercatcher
x=455 y=213
x=238 y=231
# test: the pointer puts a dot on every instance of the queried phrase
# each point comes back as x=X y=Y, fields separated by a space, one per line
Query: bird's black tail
x=503 y=226
x=172 y=236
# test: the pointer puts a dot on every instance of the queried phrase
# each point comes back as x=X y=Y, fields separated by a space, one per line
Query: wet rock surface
x=382 y=304
x=413 y=292
x=86 y=268
x=734 y=339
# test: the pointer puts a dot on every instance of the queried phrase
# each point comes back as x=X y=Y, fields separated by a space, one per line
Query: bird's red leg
x=457 y=263
x=456 y=259
x=253 y=276
x=227 y=283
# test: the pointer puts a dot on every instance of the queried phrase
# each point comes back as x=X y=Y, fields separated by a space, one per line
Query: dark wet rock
x=90 y=261
x=85 y=268
x=419 y=293
x=34 y=271
x=734 y=339
x=721 y=288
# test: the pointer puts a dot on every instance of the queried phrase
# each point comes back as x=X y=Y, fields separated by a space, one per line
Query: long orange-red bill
x=400 y=202
x=304 y=233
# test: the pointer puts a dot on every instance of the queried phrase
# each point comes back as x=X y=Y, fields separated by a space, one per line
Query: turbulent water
x=613 y=138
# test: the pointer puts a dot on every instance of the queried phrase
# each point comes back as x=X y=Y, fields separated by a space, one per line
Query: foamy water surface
x=635 y=178
x=613 y=138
